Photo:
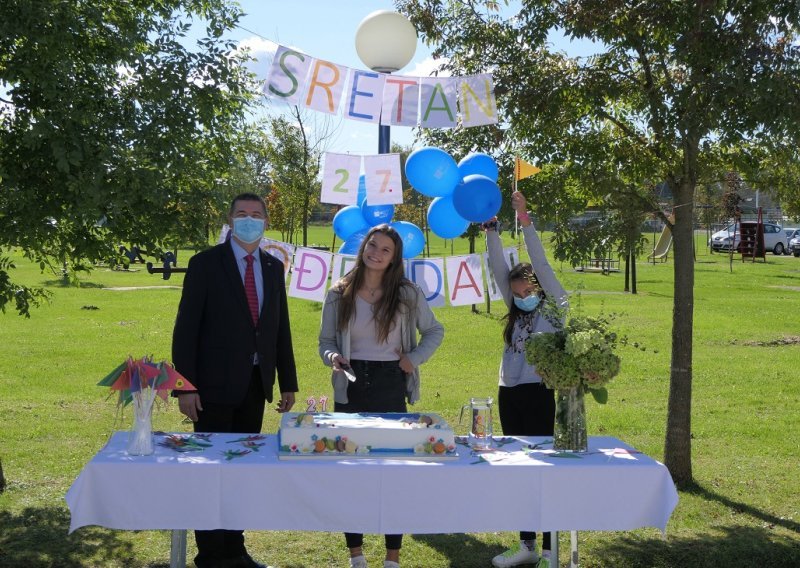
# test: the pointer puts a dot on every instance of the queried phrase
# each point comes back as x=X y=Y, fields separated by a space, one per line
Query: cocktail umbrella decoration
x=144 y=377
x=185 y=443
x=251 y=438
x=253 y=445
x=233 y=454
x=139 y=381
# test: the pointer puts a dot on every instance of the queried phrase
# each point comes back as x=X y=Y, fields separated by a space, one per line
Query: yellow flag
x=523 y=169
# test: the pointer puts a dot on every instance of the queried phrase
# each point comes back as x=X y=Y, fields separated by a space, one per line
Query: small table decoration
x=138 y=381
x=185 y=442
x=575 y=359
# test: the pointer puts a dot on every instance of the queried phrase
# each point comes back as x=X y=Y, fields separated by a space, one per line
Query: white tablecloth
x=612 y=487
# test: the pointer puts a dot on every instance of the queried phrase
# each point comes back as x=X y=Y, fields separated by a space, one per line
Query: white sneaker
x=518 y=555
x=390 y=564
x=358 y=562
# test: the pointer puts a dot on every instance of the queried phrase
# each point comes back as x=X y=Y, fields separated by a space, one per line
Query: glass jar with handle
x=480 y=434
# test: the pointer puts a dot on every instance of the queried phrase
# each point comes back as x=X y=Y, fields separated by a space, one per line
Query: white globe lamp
x=386 y=42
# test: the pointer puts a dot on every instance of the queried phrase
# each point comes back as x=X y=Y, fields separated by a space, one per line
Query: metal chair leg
x=573 y=557
x=554 y=549
x=177 y=553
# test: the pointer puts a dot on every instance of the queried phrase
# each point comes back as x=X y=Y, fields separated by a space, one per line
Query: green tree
x=674 y=89
x=112 y=131
x=251 y=171
x=294 y=149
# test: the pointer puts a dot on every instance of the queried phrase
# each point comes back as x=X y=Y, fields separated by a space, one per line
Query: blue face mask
x=248 y=229
x=527 y=304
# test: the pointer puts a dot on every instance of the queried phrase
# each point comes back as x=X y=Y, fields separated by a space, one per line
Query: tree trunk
x=627 y=272
x=677 y=446
x=632 y=256
x=2 y=478
x=306 y=200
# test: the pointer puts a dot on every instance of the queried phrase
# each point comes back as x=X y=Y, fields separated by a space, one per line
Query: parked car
x=721 y=240
x=774 y=238
x=794 y=244
x=792 y=234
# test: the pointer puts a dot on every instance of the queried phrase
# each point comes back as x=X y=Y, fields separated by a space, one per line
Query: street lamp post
x=385 y=42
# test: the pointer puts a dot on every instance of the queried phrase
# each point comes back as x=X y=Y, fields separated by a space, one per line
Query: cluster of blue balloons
x=464 y=192
x=352 y=223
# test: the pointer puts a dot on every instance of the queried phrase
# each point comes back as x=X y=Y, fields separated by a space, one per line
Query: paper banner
x=364 y=96
x=383 y=179
x=223 y=234
x=491 y=284
x=428 y=274
x=464 y=279
x=310 y=274
x=326 y=82
x=438 y=102
x=340 y=179
x=287 y=74
x=511 y=256
x=313 y=271
x=342 y=264
x=297 y=78
x=400 y=101
x=282 y=251
x=476 y=100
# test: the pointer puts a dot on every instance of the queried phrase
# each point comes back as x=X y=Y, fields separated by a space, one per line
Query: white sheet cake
x=338 y=434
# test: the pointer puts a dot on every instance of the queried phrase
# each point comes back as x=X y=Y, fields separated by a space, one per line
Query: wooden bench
x=601 y=265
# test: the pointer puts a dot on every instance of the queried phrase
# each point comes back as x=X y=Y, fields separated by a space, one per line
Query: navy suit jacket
x=214 y=337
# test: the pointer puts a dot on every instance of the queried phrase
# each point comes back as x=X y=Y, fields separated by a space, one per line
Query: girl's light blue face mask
x=527 y=304
x=249 y=230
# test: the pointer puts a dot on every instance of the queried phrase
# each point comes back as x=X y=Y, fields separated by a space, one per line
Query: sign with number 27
x=341 y=177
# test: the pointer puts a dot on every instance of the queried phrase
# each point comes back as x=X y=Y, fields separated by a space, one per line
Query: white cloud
x=262 y=51
x=426 y=67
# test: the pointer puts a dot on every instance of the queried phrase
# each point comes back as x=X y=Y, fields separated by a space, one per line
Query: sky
x=326 y=29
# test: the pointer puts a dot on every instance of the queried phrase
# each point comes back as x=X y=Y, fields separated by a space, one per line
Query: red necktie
x=250 y=288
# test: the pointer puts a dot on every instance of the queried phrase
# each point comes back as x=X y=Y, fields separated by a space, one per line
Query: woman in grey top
x=370 y=321
x=527 y=407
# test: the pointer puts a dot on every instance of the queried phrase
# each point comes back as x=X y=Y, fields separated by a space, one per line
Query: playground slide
x=664 y=243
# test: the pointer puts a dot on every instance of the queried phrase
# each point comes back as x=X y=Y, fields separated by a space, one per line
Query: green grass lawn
x=744 y=509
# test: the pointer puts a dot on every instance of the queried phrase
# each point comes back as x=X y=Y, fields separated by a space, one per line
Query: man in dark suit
x=231 y=336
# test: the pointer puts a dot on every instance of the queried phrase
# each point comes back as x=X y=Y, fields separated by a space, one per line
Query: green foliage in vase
x=579 y=354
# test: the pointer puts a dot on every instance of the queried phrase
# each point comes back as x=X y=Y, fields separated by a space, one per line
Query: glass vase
x=140 y=440
x=569 y=431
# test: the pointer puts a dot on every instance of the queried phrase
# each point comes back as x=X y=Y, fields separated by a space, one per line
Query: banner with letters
x=454 y=280
x=430 y=102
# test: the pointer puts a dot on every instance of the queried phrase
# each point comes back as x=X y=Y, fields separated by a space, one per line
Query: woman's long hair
x=521 y=271
x=391 y=302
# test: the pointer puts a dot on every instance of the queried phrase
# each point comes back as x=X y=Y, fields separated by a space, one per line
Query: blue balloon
x=444 y=220
x=377 y=214
x=432 y=171
x=353 y=243
x=362 y=190
x=348 y=221
x=480 y=164
x=477 y=198
x=412 y=237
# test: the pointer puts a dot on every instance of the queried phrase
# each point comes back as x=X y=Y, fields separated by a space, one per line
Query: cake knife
x=348 y=373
